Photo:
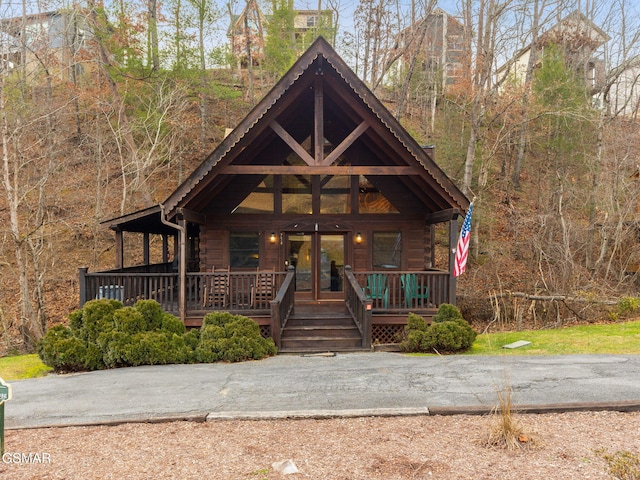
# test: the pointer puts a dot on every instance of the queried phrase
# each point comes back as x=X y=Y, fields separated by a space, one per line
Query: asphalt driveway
x=353 y=384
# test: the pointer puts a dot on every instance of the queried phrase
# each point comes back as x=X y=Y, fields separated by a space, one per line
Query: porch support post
x=453 y=240
x=182 y=266
x=119 y=249
x=82 y=284
x=145 y=248
x=165 y=248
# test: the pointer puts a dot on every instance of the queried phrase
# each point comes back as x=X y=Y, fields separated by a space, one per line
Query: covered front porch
x=376 y=302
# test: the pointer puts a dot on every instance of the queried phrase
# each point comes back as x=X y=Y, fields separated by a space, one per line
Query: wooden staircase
x=320 y=328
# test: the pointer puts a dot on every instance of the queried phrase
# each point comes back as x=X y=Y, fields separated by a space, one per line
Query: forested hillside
x=114 y=116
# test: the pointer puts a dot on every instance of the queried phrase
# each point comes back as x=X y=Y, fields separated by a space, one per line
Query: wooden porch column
x=182 y=266
x=145 y=248
x=119 y=249
x=453 y=240
x=165 y=248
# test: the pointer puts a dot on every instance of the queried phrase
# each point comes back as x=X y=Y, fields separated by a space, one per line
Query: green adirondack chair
x=377 y=290
x=413 y=292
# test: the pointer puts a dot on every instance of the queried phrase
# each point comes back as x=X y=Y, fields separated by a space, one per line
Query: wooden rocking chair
x=263 y=289
x=216 y=288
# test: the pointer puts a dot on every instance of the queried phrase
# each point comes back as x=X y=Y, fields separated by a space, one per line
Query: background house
x=53 y=39
x=579 y=40
x=438 y=41
x=248 y=31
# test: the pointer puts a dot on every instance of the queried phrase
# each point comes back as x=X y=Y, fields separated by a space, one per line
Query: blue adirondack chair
x=413 y=291
x=377 y=290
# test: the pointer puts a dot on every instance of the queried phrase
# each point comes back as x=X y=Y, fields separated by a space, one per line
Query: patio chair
x=216 y=288
x=412 y=291
x=263 y=289
x=377 y=290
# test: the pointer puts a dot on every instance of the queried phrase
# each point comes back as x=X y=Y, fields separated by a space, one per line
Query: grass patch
x=21 y=367
x=615 y=338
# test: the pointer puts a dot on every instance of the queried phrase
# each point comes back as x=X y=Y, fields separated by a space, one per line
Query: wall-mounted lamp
x=358 y=237
x=272 y=237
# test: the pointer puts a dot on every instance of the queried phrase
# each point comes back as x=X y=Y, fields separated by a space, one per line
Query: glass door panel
x=319 y=262
x=300 y=257
x=331 y=258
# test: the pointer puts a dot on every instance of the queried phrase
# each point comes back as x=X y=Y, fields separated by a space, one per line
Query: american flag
x=462 y=250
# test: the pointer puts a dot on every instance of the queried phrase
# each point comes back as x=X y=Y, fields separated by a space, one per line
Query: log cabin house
x=315 y=217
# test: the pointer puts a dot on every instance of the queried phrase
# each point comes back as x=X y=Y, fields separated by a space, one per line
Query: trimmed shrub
x=129 y=320
x=105 y=334
x=95 y=318
x=447 y=312
x=451 y=333
x=152 y=314
x=231 y=338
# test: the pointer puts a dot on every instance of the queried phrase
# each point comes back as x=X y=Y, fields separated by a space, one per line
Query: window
x=260 y=200
x=371 y=200
x=334 y=194
x=387 y=250
x=312 y=21
x=244 y=251
x=296 y=194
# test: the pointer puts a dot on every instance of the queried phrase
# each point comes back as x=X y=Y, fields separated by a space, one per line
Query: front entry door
x=319 y=262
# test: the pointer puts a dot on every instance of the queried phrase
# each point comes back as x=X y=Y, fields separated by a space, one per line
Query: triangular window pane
x=371 y=200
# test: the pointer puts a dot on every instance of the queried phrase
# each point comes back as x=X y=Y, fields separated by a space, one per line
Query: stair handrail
x=282 y=305
x=359 y=306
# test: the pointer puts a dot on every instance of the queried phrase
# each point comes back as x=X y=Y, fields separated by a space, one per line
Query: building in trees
x=54 y=40
x=579 y=40
x=436 y=44
x=249 y=30
x=319 y=207
x=247 y=34
x=623 y=95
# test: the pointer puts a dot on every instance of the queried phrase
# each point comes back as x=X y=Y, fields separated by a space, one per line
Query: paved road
x=318 y=386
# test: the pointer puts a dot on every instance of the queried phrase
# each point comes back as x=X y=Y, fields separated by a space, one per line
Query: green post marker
x=5 y=394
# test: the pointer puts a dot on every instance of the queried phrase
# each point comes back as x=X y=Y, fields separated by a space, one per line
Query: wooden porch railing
x=282 y=306
x=404 y=291
x=358 y=305
x=130 y=286
x=205 y=291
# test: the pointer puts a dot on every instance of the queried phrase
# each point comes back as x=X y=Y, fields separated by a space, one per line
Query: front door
x=319 y=262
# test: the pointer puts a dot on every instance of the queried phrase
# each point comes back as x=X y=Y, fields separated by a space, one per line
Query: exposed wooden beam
x=318 y=118
x=346 y=143
x=293 y=144
x=191 y=216
x=443 y=216
x=319 y=170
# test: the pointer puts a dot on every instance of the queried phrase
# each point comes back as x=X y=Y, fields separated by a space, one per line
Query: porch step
x=310 y=333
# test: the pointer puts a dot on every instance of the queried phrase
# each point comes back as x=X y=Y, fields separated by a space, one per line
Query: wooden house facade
x=315 y=217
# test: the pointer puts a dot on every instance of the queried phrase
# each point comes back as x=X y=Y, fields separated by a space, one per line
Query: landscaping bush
x=451 y=333
x=105 y=334
x=231 y=338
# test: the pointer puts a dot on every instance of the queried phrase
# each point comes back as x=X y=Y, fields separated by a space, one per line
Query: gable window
x=260 y=200
x=334 y=194
x=387 y=250
x=296 y=194
x=371 y=200
x=244 y=250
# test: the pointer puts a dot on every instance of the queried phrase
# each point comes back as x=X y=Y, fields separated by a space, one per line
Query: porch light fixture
x=272 y=237
x=358 y=237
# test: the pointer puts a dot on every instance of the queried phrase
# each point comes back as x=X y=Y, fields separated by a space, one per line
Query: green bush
x=231 y=338
x=447 y=312
x=451 y=333
x=61 y=350
x=105 y=334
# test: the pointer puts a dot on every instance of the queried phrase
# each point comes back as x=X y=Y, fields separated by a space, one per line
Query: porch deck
x=255 y=294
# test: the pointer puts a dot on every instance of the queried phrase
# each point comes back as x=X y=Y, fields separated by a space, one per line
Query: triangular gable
x=283 y=119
